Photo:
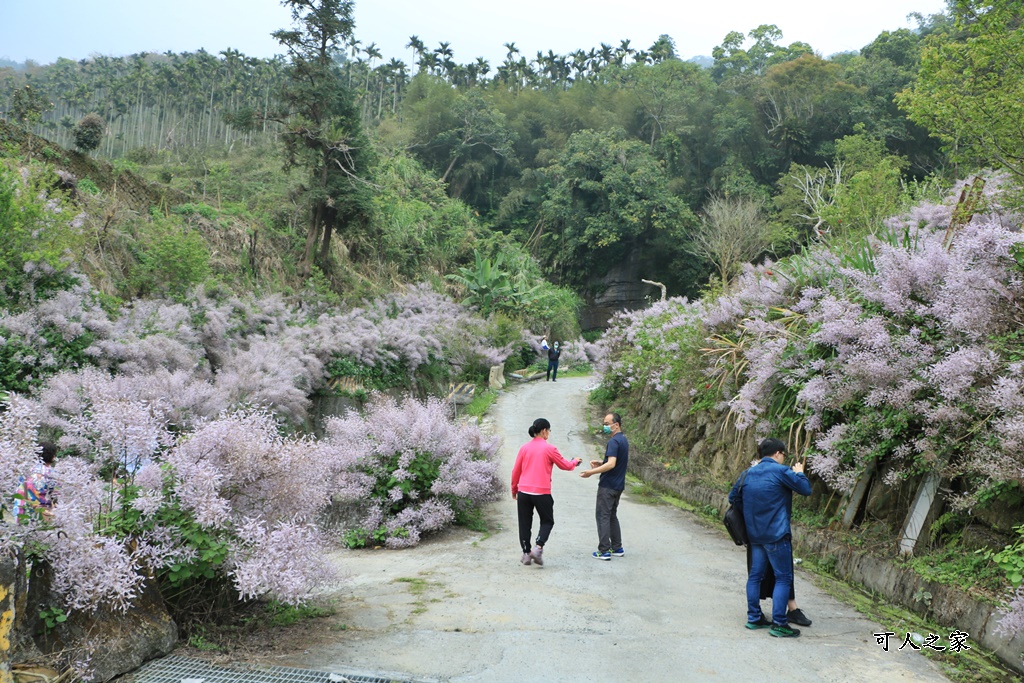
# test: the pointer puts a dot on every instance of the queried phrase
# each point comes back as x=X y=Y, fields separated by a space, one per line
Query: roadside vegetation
x=198 y=250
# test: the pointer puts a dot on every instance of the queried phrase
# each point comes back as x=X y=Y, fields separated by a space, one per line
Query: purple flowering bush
x=890 y=349
x=222 y=352
x=196 y=508
x=176 y=422
x=229 y=502
x=899 y=348
x=411 y=470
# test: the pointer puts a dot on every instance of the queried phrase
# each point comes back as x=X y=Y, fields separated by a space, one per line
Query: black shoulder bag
x=733 y=519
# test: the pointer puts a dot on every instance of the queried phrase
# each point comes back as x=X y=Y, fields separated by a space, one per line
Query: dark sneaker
x=526 y=558
x=786 y=631
x=798 y=617
x=621 y=552
x=538 y=554
x=760 y=623
x=602 y=556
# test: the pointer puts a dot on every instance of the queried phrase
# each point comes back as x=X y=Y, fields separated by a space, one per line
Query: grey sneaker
x=526 y=558
x=538 y=554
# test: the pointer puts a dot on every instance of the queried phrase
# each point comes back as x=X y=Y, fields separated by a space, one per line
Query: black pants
x=552 y=369
x=609 y=535
x=544 y=504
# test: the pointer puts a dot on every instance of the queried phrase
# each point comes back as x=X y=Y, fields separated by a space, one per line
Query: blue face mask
x=607 y=429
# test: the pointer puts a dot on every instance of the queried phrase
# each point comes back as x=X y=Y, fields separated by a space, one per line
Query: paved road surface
x=462 y=608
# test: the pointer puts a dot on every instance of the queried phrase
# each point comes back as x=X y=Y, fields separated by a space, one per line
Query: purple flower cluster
x=239 y=478
x=208 y=355
x=838 y=342
x=184 y=403
x=441 y=467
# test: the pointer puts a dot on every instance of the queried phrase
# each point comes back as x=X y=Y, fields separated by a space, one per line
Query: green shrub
x=88 y=132
x=38 y=227
x=175 y=262
x=87 y=186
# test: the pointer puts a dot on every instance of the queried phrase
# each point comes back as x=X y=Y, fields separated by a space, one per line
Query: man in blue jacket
x=767 y=500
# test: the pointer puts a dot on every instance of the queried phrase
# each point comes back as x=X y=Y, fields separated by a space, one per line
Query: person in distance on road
x=531 y=488
x=553 y=354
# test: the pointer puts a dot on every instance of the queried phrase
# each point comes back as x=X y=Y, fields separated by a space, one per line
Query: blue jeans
x=780 y=556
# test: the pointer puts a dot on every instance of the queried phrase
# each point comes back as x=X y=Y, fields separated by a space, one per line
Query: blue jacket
x=768 y=500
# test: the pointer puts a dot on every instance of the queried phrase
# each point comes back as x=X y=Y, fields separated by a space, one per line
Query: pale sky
x=44 y=31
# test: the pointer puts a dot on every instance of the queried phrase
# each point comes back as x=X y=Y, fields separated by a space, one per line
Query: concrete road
x=460 y=607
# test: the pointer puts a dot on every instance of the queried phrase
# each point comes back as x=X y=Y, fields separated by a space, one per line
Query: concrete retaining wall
x=947 y=606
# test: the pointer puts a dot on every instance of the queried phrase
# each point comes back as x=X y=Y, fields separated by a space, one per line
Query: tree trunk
x=448 y=170
x=325 y=244
x=307 y=254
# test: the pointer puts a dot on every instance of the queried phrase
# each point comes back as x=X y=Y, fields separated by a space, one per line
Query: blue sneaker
x=621 y=552
x=602 y=556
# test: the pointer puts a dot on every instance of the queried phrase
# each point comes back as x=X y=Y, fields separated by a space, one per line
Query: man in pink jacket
x=531 y=487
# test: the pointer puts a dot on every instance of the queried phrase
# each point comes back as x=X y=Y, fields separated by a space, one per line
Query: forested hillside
x=596 y=162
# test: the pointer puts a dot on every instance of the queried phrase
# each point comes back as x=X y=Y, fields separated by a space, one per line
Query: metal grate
x=185 y=670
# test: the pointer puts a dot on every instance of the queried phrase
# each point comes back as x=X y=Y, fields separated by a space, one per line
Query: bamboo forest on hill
x=199 y=251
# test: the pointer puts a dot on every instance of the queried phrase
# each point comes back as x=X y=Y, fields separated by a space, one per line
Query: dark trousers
x=544 y=504
x=609 y=535
x=552 y=369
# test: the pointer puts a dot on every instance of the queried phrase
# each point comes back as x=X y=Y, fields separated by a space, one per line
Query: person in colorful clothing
x=531 y=488
x=37 y=490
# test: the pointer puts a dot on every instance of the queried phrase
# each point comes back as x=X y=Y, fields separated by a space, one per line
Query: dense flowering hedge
x=230 y=498
x=893 y=349
x=179 y=423
x=208 y=354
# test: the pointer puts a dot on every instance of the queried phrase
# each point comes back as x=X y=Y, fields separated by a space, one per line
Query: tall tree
x=608 y=197
x=970 y=90
x=322 y=130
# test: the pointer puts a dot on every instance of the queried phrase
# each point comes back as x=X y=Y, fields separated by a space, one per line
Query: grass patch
x=954 y=566
x=285 y=615
x=481 y=403
x=418 y=587
x=250 y=619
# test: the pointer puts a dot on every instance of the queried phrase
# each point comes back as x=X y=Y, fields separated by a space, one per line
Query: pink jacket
x=532 y=471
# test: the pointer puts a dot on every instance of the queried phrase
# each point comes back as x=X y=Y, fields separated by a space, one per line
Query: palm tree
x=417 y=46
x=396 y=68
x=483 y=67
x=624 y=51
x=444 y=56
